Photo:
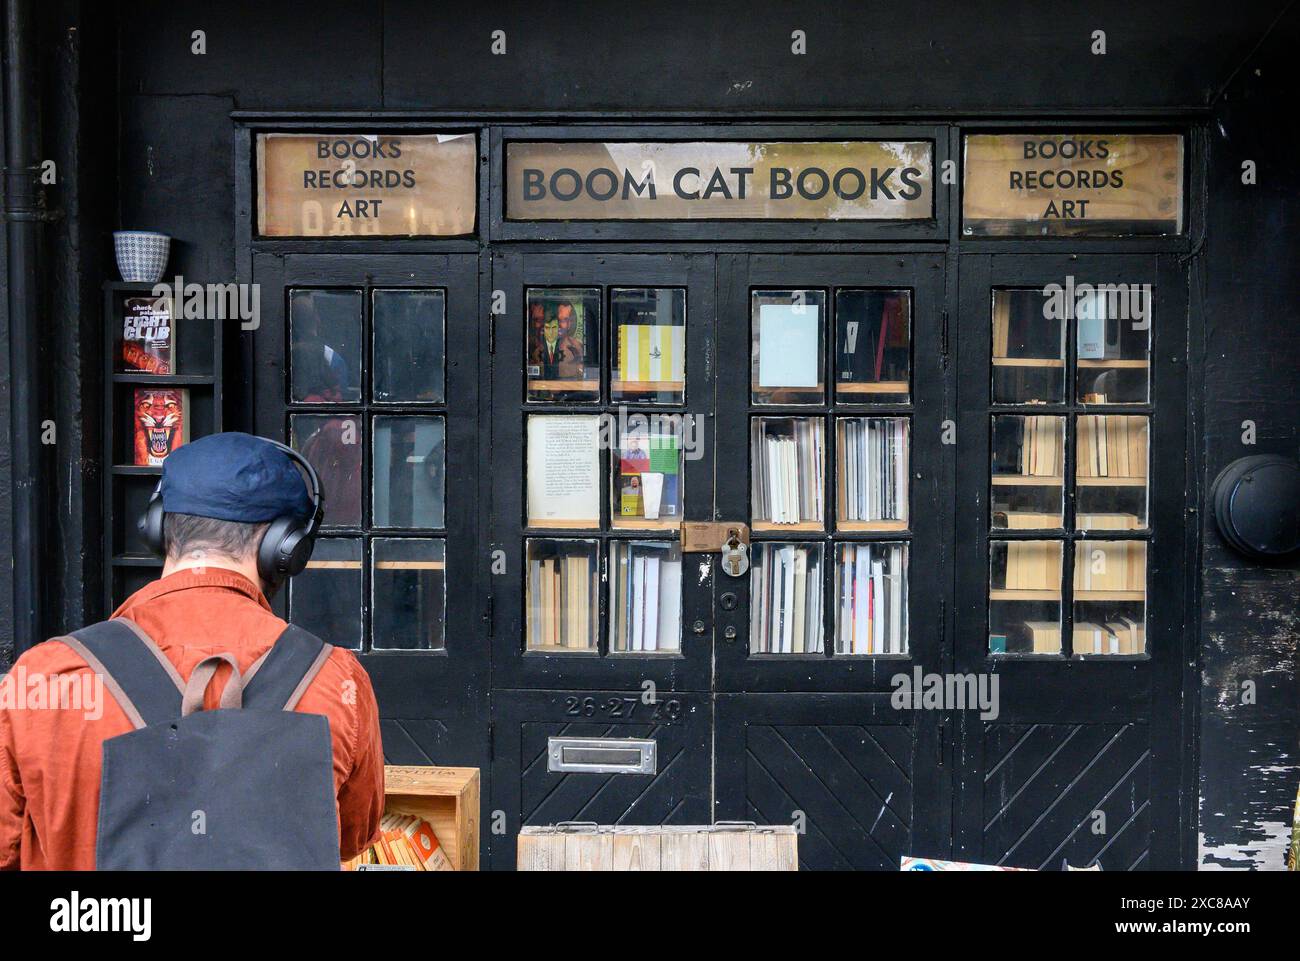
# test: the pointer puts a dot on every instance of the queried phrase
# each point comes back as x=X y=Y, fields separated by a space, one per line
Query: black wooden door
x=835 y=373
x=602 y=380
x=369 y=365
x=1070 y=559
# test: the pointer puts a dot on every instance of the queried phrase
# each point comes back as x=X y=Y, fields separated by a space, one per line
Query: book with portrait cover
x=563 y=332
x=160 y=422
x=148 y=337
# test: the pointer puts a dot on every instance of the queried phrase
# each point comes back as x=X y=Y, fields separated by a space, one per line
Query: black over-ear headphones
x=288 y=542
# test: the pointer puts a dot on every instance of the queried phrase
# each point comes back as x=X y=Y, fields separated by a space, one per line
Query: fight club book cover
x=160 y=420
x=148 y=341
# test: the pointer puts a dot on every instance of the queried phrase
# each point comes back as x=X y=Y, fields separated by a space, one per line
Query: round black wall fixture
x=1256 y=503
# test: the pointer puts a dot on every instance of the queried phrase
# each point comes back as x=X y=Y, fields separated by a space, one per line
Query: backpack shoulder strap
x=279 y=678
x=136 y=672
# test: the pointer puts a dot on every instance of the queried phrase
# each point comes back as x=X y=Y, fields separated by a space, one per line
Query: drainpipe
x=24 y=211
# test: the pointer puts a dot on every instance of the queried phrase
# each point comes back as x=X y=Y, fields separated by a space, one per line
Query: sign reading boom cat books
x=348 y=184
x=710 y=180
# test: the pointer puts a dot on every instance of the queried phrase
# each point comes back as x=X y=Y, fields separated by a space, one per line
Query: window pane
x=326 y=597
x=332 y=444
x=560 y=607
x=1028 y=349
x=1027 y=462
x=409 y=466
x=325 y=346
x=1110 y=472
x=1114 y=344
x=785 y=599
x=871 y=598
x=563 y=470
x=408 y=584
x=647 y=479
x=871 y=467
x=649 y=344
x=1025 y=597
x=645 y=597
x=786 y=366
x=410 y=345
x=788 y=461
x=1110 y=579
x=562 y=352
x=873 y=346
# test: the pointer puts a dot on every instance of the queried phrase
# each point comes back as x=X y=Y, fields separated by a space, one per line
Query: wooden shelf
x=1111 y=481
x=579 y=525
x=407 y=565
x=1004 y=594
x=559 y=649
x=1109 y=595
x=143 y=379
x=842 y=525
x=559 y=386
x=877 y=387
x=642 y=524
x=1044 y=362
x=819 y=388
x=1026 y=480
x=446 y=797
x=792 y=528
x=645 y=386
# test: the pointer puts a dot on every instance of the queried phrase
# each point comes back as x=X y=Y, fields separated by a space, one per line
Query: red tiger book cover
x=148 y=340
x=160 y=421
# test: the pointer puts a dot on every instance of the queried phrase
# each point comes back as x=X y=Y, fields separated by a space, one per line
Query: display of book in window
x=1025 y=597
x=787 y=458
x=562 y=353
x=1110 y=597
x=1110 y=470
x=561 y=609
x=647 y=480
x=645 y=597
x=785 y=584
x=650 y=343
x=160 y=423
x=872 y=345
x=871 y=598
x=871 y=465
x=1028 y=349
x=1027 y=461
x=148 y=337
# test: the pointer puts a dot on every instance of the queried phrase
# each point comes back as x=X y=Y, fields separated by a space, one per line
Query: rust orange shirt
x=50 y=754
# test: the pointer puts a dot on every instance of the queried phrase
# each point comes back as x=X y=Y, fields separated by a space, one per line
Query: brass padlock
x=735 y=555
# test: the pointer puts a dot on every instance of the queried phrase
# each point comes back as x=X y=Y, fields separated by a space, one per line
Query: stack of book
x=1110 y=566
x=1044 y=636
x=872 y=599
x=646 y=598
x=1033 y=566
x=787 y=470
x=1111 y=446
x=1042 y=447
x=1123 y=635
x=786 y=600
x=405 y=842
x=872 y=468
x=560 y=594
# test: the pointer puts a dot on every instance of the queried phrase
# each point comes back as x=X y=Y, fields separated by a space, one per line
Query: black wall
x=152 y=123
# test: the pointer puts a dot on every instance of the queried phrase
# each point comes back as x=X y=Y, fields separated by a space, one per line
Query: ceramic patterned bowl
x=141 y=255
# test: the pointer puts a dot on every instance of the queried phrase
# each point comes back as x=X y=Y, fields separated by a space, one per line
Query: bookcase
x=196 y=366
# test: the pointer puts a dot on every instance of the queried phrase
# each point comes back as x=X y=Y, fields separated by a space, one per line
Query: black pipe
x=24 y=211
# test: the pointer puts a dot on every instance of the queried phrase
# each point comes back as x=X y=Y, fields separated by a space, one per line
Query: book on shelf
x=649 y=476
x=787 y=471
x=148 y=341
x=1111 y=446
x=1044 y=636
x=563 y=331
x=646 y=598
x=651 y=353
x=1040 y=443
x=1033 y=566
x=1120 y=636
x=788 y=340
x=406 y=842
x=559 y=601
x=872 y=599
x=786 y=594
x=872 y=469
x=1121 y=566
x=160 y=423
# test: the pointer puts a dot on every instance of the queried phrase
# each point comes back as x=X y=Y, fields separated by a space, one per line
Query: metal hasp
x=598 y=755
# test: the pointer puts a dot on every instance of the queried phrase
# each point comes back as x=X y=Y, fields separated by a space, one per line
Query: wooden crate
x=715 y=847
x=446 y=797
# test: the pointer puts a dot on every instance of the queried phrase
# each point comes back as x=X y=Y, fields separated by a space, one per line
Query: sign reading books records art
x=160 y=422
x=1072 y=185
x=366 y=184
x=148 y=341
x=715 y=180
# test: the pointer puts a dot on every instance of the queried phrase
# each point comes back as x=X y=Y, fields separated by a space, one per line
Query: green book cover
x=663 y=454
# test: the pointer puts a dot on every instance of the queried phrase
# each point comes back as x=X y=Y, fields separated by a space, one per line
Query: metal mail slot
x=599 y=755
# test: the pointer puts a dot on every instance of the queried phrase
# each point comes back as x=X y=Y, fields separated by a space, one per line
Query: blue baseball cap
x=233 y=477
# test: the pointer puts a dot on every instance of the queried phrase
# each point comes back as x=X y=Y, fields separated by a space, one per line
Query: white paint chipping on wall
x=1266 y=854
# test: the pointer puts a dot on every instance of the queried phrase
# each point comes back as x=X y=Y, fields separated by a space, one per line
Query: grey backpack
x=248 y=786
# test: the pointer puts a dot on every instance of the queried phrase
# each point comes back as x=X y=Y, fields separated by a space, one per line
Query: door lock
x=735 y=555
